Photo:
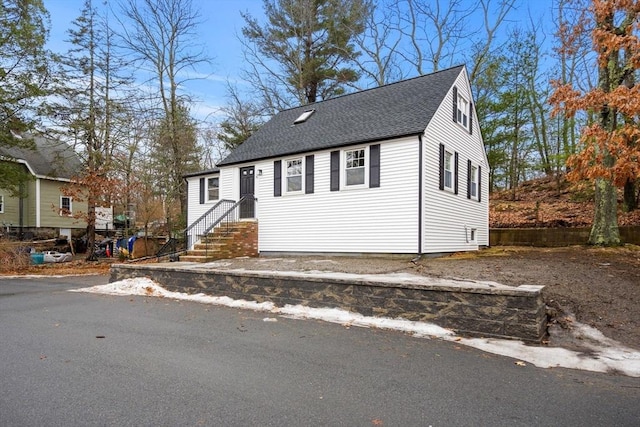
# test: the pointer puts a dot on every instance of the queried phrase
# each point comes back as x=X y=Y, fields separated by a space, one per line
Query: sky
x=602 y=355
x=221 y=25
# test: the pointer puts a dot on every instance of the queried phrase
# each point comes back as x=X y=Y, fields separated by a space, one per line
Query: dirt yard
x=601 y=287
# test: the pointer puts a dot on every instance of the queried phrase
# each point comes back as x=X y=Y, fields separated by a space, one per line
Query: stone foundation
x=484 y=309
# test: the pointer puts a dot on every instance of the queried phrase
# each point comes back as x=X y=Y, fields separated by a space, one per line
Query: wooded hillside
x=548 y=202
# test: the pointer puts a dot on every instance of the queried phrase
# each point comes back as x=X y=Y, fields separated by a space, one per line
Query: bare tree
x=379 y=59
x=440 y=33
x=161 y=35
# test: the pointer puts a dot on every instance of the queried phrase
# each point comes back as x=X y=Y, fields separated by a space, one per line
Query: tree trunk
x=630 y=195
x=604 y=231
x=91 y=230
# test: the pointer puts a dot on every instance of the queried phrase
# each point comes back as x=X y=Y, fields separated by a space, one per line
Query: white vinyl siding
x=363 y=220
x=382 y=219
x=194 y=208
x=449 y=218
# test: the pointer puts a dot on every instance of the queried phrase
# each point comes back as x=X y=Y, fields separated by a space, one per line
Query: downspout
x=420 y=178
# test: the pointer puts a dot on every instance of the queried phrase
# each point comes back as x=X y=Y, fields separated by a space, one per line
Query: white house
x=398 y=169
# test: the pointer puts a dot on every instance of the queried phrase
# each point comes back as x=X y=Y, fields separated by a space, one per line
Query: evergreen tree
x=305 y=51
x=24 y=78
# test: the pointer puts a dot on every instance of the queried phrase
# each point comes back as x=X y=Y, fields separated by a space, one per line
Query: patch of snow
x=607 y=355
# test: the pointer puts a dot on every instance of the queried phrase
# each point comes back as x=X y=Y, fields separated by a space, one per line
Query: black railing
x=224 y=213
x=171 y=248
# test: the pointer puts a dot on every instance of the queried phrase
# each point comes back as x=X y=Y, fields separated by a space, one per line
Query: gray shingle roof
x=50 y=158
x=398 y=109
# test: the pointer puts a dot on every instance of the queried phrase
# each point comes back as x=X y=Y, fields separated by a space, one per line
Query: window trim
x=70 y=210
x=286 y=176
x=1 y=203
x=444 y=150
x=463 y=111
x=473 y=181
x=472 y=234
x=451 y=171
x=208 y=193
x=365 y=167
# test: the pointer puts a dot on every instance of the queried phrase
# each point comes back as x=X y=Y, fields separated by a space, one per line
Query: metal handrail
x=213 y=218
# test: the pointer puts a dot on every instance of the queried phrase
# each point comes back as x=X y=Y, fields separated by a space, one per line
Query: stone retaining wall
x=469 y=308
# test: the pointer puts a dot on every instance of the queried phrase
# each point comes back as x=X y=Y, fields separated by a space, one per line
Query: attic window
x=304 y=116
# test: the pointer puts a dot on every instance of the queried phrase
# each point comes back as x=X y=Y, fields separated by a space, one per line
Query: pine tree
x=312 y=43
x=24 y=78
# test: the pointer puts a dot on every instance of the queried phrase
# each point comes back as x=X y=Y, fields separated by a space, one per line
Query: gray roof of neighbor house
x=394 y=110
x=49 y=158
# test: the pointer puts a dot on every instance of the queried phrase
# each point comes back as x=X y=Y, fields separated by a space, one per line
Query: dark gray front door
x=247 y=185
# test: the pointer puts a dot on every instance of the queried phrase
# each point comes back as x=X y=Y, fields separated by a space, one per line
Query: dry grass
x=14 y=260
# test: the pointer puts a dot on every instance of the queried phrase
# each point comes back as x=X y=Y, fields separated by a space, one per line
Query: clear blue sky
x=221 y=25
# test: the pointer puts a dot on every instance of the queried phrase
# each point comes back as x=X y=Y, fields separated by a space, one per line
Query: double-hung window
x=463 y=112
x=473 y=179
x=355 y=167
x=213 y=189
x=65 y=206
x=448 y=170
x=294 y=175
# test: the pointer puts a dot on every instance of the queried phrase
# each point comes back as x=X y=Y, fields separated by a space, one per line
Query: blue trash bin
x=37 y=258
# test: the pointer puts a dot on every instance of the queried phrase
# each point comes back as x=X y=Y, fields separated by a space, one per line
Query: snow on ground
x=606 y=355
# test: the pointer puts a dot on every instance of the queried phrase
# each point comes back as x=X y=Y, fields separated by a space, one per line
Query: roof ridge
x=373 y=88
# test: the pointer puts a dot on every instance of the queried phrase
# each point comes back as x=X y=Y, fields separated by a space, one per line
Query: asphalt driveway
x=84 y=359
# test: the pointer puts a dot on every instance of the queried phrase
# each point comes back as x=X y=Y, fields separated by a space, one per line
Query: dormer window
x=303 y=117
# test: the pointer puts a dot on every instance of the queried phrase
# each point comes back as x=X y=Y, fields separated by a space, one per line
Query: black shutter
x=455 y=104
x=479 y=183
x=202 y=191
x=442 y=166
x=471 y=117
x=455 y=178
x=374 y=166
x=308 y=174
x=469 y=179
x=277 y=178
x=335 y=171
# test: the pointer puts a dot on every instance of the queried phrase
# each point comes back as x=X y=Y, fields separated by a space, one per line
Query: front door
x=247 y=185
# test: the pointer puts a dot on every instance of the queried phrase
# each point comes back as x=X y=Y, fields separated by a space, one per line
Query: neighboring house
x=398 y=169
x=43 y=209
